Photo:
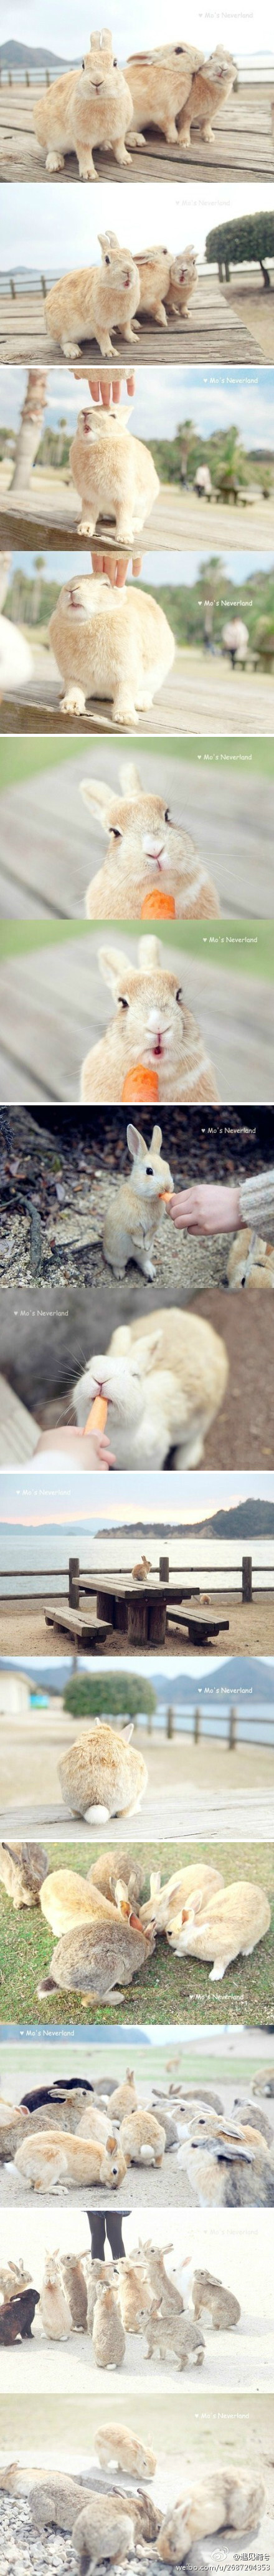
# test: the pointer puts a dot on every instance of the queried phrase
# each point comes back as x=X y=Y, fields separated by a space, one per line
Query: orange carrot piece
x=157 y=902
x=141 y=1084
x=97 y=1418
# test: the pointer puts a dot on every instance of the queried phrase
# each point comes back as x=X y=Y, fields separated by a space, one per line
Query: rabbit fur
x=164 y=2292
x=226 y=2500
x=16 y=2315
x=221 y=1927
x=157 y=1403
x=23 y=1866
x=110 y=644
x=102 y=2531
x=114 y=2443
x=54 y=2309
x=132 y=1217
x=211 y=85
x=250 y=2116
x=108 y=2337
x=261 y=1272
x=45 y=2161
x=134 y=2296
x=152 y=1026
x=164 y=1900
x=13 y=2124
x=115 y=474
x=215 y=2305
x=86 y=108
x=141 y=1571
x=160 y=81
x=264 y=2082
x=168 y=2333
x=142 y=2139
x=112 y=1865
x=90 y=302
x=70 y=1900
x=145 y=848
x=12 y=2279
x=101 y=1775
x=154 y=267
x=75 y=2290
x=225 y=2169
x=182 y=280
x=89 y=1960
x=124 y=2099
x=95 y=2274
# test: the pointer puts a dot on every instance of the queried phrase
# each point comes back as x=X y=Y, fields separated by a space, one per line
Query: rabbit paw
x=184 y=140
x=119 y=153
x=87 y=170
x=55 y=161
x=71 y=349
x=171 y=135
x=150 y=1270
x=138 y=142
x=73 y=704
x=86 y=527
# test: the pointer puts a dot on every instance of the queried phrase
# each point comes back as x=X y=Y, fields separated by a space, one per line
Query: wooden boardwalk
x=242 y=147
x=54 y=1005
x=201 y=695
x=212 y=335
x=50 y=848
x=49 y=511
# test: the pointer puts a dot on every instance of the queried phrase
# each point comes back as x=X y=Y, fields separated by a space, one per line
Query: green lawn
x=246 y=947
x=170 y=1990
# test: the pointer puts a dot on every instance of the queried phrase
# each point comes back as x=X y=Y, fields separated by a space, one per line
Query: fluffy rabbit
x=170 y=2334
x=54 y=2309
x=114 y=474
x=23 y=1866
x=247 y=2113
x=164 y=2293
x=260 y=1273
x=141 y=2138
x=183 y=277
x=215 y=2305
x=145 y=849
x=154 y=267
x=71 y=1899
x=12 y=2279
x=225 y=2500
x=211 y=86
x=102 y=2531
x=133 y=1214
x=45 y=2161
x=16 y=2316
x=87 y=108
x=13 y=2125
x=160 y=82
x=110 y=644
x=264 y=2082
x=157 y=1405
x=56 y=2499
x=224 y=2169
x=109 y=2342
x=134 y=2296
x=95 y=2123
x=124 y=2098
x=90 y=302
x=142 y=1571
x=89 y=1961
x=221 y=1927
x=152 y=1026
x=117 y=1864
x=163 y=1902
x=75 y=2289
x=101 y=1775
x=114 y=2443
x=95 y=2273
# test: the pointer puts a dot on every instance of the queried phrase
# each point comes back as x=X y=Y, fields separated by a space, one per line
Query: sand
x=251 y=1629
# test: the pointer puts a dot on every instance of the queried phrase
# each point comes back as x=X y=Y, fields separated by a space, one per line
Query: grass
x=170 y=1990
x=20 y=760
x=246 y=947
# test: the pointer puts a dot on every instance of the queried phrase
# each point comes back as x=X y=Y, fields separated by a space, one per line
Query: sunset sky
x=124 y=1499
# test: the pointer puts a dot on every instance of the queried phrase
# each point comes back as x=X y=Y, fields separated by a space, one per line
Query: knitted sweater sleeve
x=257 y=1204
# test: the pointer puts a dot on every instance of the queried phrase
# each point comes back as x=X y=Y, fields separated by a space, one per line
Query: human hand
x=116 y=566
x=108 y=388
x=79 y=1450
x=206 y=1209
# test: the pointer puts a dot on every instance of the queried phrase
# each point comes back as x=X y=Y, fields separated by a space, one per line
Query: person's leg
x=114 y=2224
x=97 y=2224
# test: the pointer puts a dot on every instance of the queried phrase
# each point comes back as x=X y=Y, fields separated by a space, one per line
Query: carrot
x=156 y=902
x=97 y=1418
x=167 y=1195
x=141 y=1084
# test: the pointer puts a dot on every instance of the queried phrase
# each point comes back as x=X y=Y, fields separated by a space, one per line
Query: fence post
x=197 y=1725
x=74 y=1570
x=232 y=1728
x=164 y=1569
x=247 y=1578
x=170 y=1723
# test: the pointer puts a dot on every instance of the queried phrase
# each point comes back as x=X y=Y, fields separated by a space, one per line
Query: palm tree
x=186 y=432
x=29 y=434
x=211 y=578
x=62 y=425
x=39 y=562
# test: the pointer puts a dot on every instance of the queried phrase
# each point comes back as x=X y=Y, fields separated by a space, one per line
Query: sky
x=67 y=30
x=212 y=400
x=124 y=1502
x=157 y=569
x=68 y=220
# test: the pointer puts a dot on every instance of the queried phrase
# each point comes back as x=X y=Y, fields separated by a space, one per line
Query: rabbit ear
x=146 y=1351
x=100 y=798
x=128 y=1731
x=130 y=780
x=136 y=1143
x=111 y=2143
x=108 y=241
x=149 y=954
x=115 y=968
x=156 y=1140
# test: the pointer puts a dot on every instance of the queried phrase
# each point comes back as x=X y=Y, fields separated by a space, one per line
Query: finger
x=116 y=389
x=94 y=388
x=137 y=563
x=121 y=572
x=131 y=384
x=97 y=563
x=106 y=392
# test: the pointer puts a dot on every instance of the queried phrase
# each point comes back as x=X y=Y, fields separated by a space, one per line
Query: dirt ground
x=251 y=1629
x=255 y=309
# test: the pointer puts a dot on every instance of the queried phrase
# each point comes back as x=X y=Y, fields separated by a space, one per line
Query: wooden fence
x=242 y=1577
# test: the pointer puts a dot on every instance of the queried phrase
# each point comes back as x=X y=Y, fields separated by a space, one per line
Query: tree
x=39 y=561
x=29 y=434
x=60 y=441
x=250 y=238
x=110 y=1696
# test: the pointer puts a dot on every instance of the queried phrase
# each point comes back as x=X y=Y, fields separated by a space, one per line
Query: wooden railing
x=73 y=1577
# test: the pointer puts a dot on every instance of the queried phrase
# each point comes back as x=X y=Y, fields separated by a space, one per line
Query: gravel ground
x=251 y=1629
x=72 y=1253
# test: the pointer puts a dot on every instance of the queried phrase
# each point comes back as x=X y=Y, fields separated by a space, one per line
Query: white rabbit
x=254 y=1272
x=221 y=1927
x=131 y=1222
x=163 y=1903
x=102 y=1775
x=153 y=1029
x=86 y=108
x=114 y=2442
x=211 y=85
x=160 y=82
x=89 y=302
x=54 y=2311
x=47 y=2160
x=224 y=2500
x=182 y=280
x=115 y=474
x=146 y=852
x=103 y=2531
x=163 y=1387
x=154 y=268
x=110 y=644
x=142 y=2139
x=108 y=2337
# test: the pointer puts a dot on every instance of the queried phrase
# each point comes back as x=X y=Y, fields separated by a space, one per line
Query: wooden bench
x=197 y=1626
x=80 y=1625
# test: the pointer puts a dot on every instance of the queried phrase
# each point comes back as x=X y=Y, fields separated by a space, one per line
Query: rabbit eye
x=122 y=999
x=116 y=836
x=179 y=49
x=83 y=67
x=167 y=815
x=149 y=1170
x=107 y=260
x=115 y=62
x=179 y=996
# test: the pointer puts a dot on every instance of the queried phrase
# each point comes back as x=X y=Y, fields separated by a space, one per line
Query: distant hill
x=14 y=55
x=241 y=1675
x=252 y=1519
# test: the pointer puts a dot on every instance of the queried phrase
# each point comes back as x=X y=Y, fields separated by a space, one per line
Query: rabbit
x=211 y=85
x=215 y=2305
x=110 y=644
x=168 y=2334
x=160 y=81
x=45 y=2161
x=69 y=1900
x=101 y=1775
x=86 y=108
x=114 y=474
x=152 y=1028
x=23 y=1866
x=224 y=2171
x=134 y=2295
x=16 y=2316
x=145 y=850
x=103 y=2531
x=90 y=302
x=114 y=2444
x=157 y=1402
x=154 y=267
x=54 y=2309
x=225 y=2500
x=163 y=1901
x=56 y=2499
x=13 y=2125
x=163 y=2288
x=95 y=2123
x=170 y=2126
x=141 y=1572
x=183 y=278
x=254 y=1272
x=12 y=2279
x=247 y=2113
x=221 y=1927
x=125 y=2097
x=142 y=2139
x=112 y=1865
x=264 y=2081
x=132 y=1218
x=108 y=2338
x=75 y=2290
x=96 y=2273
x=88 y=1960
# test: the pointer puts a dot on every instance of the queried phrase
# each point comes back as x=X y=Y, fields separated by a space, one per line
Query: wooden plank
x=213 y=330
x=18 y=1432
x=49 y=851
x=201 y=695
x=79 y=1623
x=178 y=519
x=54 y=1005
x=242 y=145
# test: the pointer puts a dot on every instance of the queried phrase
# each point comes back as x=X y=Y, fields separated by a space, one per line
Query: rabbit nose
x=153 y=1023
x=153 y=849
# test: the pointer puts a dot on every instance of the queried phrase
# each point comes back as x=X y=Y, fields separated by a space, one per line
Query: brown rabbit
x=89 y=1961
x=211 y=86
x=215 y=2305
x=108 y=2338
x=76 y=2290
x=23 y=1867
x=142 y=1571
x=117 y=1864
